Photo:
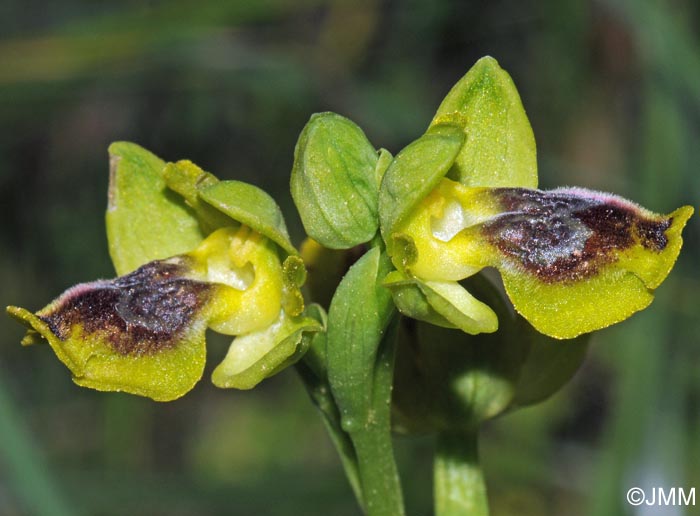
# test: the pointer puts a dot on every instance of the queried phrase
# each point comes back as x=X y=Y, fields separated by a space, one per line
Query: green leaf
x=251 y=206
x=258 y=355
x=500 y=147
x=334 y=182
x=145 y=220
x=414 y=173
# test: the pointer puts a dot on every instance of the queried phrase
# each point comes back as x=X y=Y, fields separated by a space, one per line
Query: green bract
x=143 y=332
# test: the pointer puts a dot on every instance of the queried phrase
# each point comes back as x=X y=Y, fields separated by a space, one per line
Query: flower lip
x=143 y=312
x=568 y=234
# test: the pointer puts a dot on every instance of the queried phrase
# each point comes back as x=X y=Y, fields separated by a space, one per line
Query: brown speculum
x=143 y=312
x=566 y=235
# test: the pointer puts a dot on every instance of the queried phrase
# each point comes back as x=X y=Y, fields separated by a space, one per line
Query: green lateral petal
x=334 y=182
x=458 y=306
x=145 y=220
x=251 y=206
x=500 y=147
x=414 y=173
x=258 y=355
x=142 y=333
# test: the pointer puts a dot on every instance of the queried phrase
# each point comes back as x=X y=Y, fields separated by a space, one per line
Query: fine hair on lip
x=142 y=312
x=566 y=235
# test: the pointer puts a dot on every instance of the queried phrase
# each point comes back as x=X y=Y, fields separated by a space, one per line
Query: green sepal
x=500 y=147
x=442 y=303
x=145 y=220
x=163 y=376
x=334 y=182
x=258 y=355
x=251 y=206
x=457 y=305
x=411 y=301
x=414 y=173
x=187 y=179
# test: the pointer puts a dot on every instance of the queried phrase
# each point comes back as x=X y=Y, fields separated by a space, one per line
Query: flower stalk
x=459 y=487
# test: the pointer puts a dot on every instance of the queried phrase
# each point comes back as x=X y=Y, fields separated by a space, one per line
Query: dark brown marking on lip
x=143 y=312
x=652 y=234
x=564 y=236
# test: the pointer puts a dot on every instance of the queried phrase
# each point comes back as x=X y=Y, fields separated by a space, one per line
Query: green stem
x=320 y=393
x=459 y=482
x=380 y=479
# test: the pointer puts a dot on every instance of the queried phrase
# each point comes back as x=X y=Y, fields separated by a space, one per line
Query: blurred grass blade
x=24 y=466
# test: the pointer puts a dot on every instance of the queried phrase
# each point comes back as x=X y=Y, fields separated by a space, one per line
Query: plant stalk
x=378 y=473
x=459 y=487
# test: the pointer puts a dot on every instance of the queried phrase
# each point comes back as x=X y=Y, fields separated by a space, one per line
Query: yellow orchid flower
x=144 y=332
x=462 y=197
x=572 y=260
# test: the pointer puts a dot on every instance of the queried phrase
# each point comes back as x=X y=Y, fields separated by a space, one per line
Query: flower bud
x=334 y=182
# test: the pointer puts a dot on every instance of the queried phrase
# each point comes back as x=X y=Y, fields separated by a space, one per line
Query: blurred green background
x=612 y=89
